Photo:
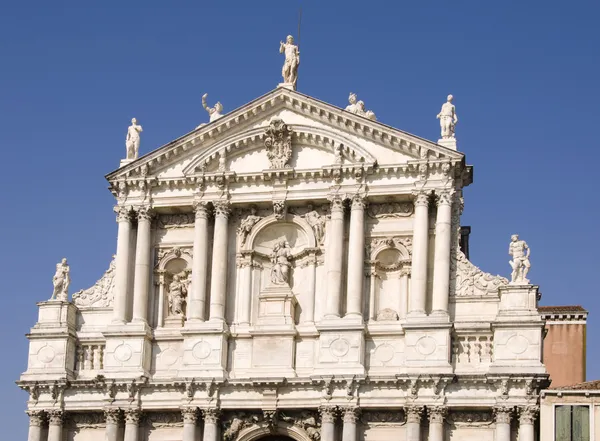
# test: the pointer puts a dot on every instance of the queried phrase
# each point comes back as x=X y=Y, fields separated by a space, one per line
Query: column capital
x=132 y=416
x=211 y=415
x=358 y=202
x=123 y=213
x=350 y=414
x=414 y=413
x=328 y=414
x=528 y=414
x=503 y=414
x=444 y=197
x=337 y=202
x=421 y=198
x=201 y=209
x=190 y=415
x=112 y=415
x=437 y=414
x=55 y=417
x=36 y=417
x=222 y=208
x=145 y=213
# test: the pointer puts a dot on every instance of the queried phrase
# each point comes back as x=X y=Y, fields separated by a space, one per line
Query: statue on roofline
x=132 y=142
x=519 y=250
x=61 y=281
x=448 y=118
x=292 y=61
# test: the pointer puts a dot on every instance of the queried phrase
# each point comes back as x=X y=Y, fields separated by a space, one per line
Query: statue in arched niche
x=281 y=260
x=177 y=292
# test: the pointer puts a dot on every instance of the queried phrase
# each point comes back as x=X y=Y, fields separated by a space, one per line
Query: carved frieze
x=470 y=418
x=87 y=420
x=100 y=295
x=383 y=417
x=181 y=220
x=163 y=419
x=390 y=210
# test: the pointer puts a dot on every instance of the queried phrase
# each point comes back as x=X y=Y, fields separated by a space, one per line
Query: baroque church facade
x=289 y=271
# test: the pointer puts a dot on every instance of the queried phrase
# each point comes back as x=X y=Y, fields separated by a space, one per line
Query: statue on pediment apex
x=292 y=61
x=132 y=142
x=61 y=281
x=214 y=113
x=448 y=118
x=520 y=251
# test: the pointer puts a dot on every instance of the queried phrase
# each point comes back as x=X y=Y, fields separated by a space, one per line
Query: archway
x=275 y=438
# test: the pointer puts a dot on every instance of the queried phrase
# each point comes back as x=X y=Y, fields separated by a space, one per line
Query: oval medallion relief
x=426 y=345
x=339 y=347
x=123 y=352
x=201 y=350
x=517 y=344
x=46 y=354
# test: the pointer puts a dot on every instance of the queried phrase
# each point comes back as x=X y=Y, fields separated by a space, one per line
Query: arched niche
x=174 y=261
x=390 y=260
x=263 y=432
x=269 y=230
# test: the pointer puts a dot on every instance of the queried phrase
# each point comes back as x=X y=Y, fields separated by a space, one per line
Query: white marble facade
x=290 y=269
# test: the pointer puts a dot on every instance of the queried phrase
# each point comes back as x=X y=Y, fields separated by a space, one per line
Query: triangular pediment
x=324 y=136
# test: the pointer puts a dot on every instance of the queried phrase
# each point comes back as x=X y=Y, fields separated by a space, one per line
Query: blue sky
x=524 y=76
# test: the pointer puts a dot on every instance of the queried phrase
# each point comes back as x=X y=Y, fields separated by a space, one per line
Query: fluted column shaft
x=190 y=418
x=142 y=266
x=112 y=417
x=441 y=265
x=218 y=282
x=335 y=258
x=404 y=273
x=132 y=424
x=419 y=255
x=356 y=260
x=436 y=423
x=350 y=417
x=503 y=417
x=55 y=425
x=328 y=415
x=197 y=301
x=526 y=423
x=211 y=421
x=245 y=300
x=36 y=418
x=122 y=265
x=413 y=423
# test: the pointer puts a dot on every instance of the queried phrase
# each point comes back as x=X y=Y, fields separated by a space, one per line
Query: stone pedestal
x=128 y=350
x=427 y=347
x=518 y=331
x=125 y=162
x=341 y=348
x=205 y=350
x=448 y=143
x=276 y=307
x=174 y=321
x=287 y=86
x=52 y=342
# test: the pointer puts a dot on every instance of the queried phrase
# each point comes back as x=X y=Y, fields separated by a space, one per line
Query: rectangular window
x=572 y=423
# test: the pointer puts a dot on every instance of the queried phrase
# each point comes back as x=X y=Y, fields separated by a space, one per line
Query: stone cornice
x=284 y=98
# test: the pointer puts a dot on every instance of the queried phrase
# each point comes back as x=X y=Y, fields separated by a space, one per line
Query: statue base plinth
x=174 y=321
x=124 y=162
x=448 y=143
x=276 y=306
x=287 y=86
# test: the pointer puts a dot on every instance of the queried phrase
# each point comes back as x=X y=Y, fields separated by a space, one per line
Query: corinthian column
x=419 y=255
x=349 y=429
x=441 y=259
x=142 y=266
x=328 y=415
x=55 y=424
x=413 y=423
x=218 y=282
x=112 y=417
x=526 y=423
x=132 y=424
x=36 y=418
x=211 y=421
x=122 y=265
x=436 y=423
x=503 y=416
x=356 y=260
x=335 y=258
x=197 y=301
x=190 y=417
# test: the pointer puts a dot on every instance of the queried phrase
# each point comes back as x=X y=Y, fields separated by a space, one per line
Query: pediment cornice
x=216 y=132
